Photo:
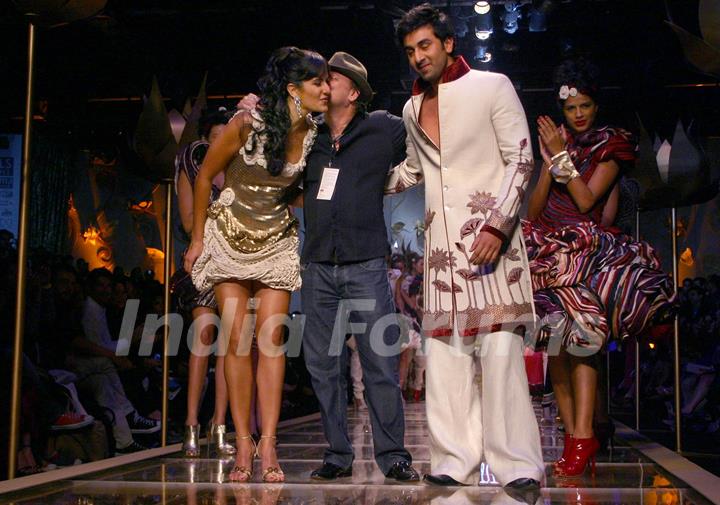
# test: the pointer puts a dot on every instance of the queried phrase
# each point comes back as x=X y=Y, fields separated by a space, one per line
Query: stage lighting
x=511 y=16
x=484 y=27
x=461 y=28
x=482 y=54
x=538 y=20
x=482 y=7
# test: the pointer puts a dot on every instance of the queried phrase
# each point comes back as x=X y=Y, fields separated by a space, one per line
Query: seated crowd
x=82 y=400
x=699 y=324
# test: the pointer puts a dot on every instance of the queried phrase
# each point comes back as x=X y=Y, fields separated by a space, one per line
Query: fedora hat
x=349 y=66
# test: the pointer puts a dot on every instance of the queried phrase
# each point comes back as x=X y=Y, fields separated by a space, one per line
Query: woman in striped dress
x=590 y=282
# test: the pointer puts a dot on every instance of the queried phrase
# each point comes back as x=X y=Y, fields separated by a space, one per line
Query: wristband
x=562 y=169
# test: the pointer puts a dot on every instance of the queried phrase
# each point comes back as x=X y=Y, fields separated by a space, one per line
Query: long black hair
x=286 y=65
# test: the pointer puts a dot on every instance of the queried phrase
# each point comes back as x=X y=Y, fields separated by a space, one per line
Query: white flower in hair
x=566 y=91
x=227 y=197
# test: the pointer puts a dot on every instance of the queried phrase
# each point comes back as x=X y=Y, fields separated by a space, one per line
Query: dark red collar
x=455 y=71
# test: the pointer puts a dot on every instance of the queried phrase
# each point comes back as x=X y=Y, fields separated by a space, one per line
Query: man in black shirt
x=345 y=287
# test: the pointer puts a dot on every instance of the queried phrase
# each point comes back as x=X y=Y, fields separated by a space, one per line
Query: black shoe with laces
x=133 y=447
x=142 y=425
x=330 y=472
x=402 y=471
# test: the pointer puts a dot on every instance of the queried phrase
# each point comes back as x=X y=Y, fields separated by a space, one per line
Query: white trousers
x=479 y=406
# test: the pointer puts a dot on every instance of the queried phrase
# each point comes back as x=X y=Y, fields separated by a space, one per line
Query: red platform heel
x=582 y=454
x=567 y=446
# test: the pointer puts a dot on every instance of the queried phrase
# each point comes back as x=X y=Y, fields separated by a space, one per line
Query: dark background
x=114 y=55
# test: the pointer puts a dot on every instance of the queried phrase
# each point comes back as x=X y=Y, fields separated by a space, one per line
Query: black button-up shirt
x=351 y=226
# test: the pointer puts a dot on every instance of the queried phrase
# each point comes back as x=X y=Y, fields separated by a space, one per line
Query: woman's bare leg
x=404 y=366
x=197 y=366
x=559 y=368
x=233 y=296
x=584 y=385
x=221 y=391
x=271 y=313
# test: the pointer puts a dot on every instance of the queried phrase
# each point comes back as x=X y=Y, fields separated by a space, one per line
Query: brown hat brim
x=366 y=92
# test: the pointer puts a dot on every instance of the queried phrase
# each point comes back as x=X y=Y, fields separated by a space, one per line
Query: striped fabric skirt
x=591 y=286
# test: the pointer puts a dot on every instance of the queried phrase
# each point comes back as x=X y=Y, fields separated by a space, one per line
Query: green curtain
x=53 y=172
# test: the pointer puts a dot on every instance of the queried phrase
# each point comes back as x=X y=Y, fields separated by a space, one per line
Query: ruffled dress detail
x=590 y=284
x=251 y=233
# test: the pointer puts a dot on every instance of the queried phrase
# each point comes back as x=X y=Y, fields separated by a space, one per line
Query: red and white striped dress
x=592 y=284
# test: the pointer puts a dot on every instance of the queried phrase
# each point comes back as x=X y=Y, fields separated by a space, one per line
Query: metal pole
x=166 y=327
x=676 y=337
x=637 y=343
x=22 y=260
x=607 y=381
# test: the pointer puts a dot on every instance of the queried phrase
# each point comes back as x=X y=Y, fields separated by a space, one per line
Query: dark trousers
x=358 y=293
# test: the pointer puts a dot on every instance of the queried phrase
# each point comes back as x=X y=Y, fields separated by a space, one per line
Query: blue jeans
x=354 y=299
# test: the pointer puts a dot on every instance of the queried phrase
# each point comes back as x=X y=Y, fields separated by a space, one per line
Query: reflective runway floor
x=624 y=476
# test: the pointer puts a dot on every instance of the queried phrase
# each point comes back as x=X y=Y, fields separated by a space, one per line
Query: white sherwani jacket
x=475 y=180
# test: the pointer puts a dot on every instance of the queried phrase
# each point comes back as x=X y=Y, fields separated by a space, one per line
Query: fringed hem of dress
x=277 y=266
x=591 y=285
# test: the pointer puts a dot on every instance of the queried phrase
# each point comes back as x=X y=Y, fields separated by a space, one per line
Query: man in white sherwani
x=468 y=139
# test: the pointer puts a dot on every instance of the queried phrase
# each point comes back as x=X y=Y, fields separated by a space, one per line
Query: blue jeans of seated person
x=359 y=294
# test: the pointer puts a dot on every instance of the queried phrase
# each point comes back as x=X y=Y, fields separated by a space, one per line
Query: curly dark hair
x=578 y=73
x=211 y=117
x=286 y=65
x=422 y=15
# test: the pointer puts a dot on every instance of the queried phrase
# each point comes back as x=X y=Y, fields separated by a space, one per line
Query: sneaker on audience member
x=139 y=424
x=133 y=447
x=71 y=421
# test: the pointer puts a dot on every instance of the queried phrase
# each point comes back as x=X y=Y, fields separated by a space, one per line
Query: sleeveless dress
x=250 y=231
x=188 y=161
x=592 y=284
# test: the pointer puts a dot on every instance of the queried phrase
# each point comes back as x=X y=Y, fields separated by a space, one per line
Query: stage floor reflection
x=623 y=476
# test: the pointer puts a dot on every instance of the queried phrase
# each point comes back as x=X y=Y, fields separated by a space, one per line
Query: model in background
x=187 y=165
x=590 y=282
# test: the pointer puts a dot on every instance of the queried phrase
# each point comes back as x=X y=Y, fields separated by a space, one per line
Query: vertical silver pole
x=21 y=263
x=637 y=343
x=607 y=381
x=166 y=327
x=676 y=337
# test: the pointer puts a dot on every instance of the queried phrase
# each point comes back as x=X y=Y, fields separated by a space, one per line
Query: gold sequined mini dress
x=250 y=231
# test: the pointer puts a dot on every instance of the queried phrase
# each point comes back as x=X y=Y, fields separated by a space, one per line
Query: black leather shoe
x=330 y=472
x=441 y=480
x=524 y=490
x=403 y=471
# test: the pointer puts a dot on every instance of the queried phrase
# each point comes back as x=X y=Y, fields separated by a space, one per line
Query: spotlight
x=484 y=27
x=461 y=28
x=482 y=54
x=482 y=7
x=538 y=20
x=510 y=17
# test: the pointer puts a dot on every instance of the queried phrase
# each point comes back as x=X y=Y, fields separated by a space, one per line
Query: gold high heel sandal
x=272 y=473
x=191 y=441
x=217 y=437
x=244 y=472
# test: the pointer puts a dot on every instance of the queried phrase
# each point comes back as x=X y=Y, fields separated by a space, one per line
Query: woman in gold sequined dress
x=246 y=243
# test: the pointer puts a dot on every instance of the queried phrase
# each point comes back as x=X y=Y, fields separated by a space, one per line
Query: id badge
x=327 y=183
